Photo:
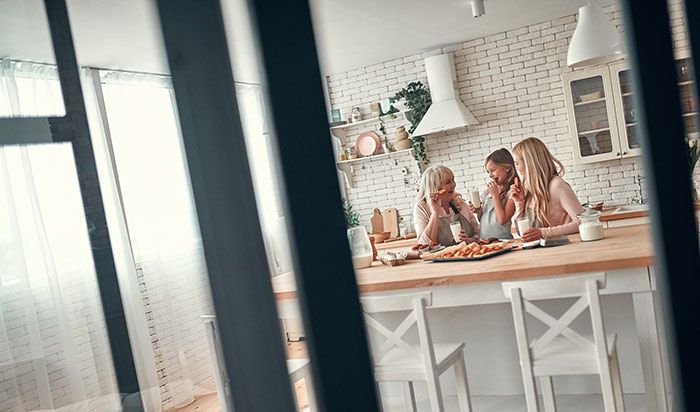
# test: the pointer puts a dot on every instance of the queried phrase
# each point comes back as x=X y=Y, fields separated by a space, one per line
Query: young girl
x=498 y=208
x=542 y=195
x=438 y=205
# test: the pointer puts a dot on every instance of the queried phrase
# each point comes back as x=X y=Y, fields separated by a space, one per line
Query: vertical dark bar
x=326 y=283
x=673 y=216
x=692 y=14
x=238 y=270
x=73 y=128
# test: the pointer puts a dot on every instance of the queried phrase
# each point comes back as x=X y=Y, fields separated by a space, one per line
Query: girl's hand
x=463 y=237
x=532 y=234
x=434 y=203
x=517 y=193
x=492 y=187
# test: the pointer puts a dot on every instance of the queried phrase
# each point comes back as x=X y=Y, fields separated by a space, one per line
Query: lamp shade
x=595 y=39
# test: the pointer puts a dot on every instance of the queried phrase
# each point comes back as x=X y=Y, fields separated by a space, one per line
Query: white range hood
x=447 y=111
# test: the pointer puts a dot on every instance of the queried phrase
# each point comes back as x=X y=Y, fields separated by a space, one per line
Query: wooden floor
x=573 y=403
x=210 y=402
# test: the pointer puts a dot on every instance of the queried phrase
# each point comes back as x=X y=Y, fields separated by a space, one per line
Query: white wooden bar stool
x=298 y=369
x=561 y=350
x=399 y=361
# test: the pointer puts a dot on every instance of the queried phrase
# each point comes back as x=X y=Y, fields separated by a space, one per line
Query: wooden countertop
x=608 y=214
x=623 y=247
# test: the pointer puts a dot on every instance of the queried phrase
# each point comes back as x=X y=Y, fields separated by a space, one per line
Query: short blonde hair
x=433 y=177
x=540 y=167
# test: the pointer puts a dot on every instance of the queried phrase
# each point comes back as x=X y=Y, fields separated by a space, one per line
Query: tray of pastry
x=467 y=252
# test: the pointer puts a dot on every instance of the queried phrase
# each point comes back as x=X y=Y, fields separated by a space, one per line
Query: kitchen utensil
x=591 y=96
x=402 y=140
x=377 y=221
x=391 y=221
x=393 y=258
x=379 y=237
x=554 y=241
x=368 y=143
x=594 y=206
x=480 y=257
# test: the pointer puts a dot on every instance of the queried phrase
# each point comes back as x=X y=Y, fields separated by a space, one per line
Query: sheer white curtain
x=54 y=352
x=163 y=230
x=128 y=276
x=29 y=90
x=264 y=171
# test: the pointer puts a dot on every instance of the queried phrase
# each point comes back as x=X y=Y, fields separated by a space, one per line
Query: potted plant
x=417 y=99
x=352 y=218
x=360 y=245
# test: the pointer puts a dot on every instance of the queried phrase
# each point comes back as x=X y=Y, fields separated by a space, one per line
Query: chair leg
x=606 y=386
x=434 y=393
x=548 y=394
x=617 y=383
x=294 y=397
x=409 y=396
x=529 y=386
x=310 y=394
x=379 y=397
x=465 y=403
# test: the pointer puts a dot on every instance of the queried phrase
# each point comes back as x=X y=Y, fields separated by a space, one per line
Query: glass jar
x=356 y=114
x=360 y=247
x=352 y=153
x=590 y=228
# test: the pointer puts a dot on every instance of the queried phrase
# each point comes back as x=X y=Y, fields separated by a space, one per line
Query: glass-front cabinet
x=686 y=84
x=601 y=112
x=591 y=105
x=625 y=110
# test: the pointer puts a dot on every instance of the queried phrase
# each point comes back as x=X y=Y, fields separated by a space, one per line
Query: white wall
x=511 y=81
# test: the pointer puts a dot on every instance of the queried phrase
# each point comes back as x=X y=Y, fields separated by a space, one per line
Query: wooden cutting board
x=391 y=221
x=377 y=221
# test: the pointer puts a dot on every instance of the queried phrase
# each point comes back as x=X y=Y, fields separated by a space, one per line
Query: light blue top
x=489 y=226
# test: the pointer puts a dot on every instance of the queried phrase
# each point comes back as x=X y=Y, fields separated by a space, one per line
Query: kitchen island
x=626 y=255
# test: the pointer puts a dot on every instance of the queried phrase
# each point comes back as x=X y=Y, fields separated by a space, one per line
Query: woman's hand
x=492 y=188
x=532 y=234
x=517 y=193
x=471 y=207
x=434 y=204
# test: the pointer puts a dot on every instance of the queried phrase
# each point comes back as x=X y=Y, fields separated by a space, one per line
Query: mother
x=438 y=205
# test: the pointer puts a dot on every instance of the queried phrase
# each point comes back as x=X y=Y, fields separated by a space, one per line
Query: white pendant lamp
x=595 y=40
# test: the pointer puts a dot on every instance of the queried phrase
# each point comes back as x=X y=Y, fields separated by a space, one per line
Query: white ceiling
x=124 y=34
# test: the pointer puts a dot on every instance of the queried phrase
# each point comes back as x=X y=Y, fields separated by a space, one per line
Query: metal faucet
x=639 y=200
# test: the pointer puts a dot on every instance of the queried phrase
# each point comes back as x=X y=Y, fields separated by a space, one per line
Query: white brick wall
x=511 y=82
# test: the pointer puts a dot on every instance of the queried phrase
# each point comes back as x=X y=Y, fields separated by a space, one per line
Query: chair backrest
x=415 y=304
x=586 y=287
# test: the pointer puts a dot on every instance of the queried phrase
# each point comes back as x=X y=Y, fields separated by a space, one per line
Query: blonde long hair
x=540 y=167
x=433 y=177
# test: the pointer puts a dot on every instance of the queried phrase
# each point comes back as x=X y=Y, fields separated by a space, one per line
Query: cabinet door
x=591 y=113
x=625 y=110
x=689 y=102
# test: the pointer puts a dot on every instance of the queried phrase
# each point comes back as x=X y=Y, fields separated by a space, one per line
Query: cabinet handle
x=624 y=153
x=617 y=154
